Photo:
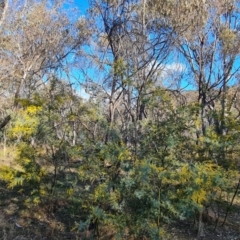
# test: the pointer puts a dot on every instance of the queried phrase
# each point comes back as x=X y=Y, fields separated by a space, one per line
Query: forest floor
x=184 y=230
x=20 y=223
x=60 y=221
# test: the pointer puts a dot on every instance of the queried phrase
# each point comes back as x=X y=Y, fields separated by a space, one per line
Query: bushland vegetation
x=122 y=122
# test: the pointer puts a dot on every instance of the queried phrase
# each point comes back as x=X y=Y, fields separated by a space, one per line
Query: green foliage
x=168 y=175
x=25 y=124
x=27 y=177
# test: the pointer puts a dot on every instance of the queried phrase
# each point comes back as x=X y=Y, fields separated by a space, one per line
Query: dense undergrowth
x=133 y=190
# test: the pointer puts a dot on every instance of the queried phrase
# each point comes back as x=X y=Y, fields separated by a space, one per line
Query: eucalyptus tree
x=36 y=39
x=128 y=47
x=209 y=41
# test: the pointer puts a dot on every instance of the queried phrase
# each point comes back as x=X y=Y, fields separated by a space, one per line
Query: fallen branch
x=5 y=122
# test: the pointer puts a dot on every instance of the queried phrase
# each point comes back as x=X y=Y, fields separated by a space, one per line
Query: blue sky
x=82 y=5
x=76 y=75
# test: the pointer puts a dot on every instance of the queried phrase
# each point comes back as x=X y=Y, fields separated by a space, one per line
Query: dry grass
x=7 y=156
